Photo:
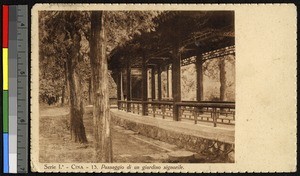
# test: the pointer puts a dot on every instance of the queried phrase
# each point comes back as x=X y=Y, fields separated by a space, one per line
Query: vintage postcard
x=163 y=88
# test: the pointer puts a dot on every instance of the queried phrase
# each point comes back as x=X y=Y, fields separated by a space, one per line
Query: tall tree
x=60 y=37
x=100 y=88
x=108 y=30
x=76 y=105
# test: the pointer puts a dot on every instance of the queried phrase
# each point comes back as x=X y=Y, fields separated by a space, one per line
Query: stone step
x=181 y=156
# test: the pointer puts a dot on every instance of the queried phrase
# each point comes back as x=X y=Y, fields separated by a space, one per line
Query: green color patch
x=5 y=111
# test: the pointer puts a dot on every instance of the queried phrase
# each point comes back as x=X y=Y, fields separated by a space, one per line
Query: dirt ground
x=56 y=145
x=128 y=147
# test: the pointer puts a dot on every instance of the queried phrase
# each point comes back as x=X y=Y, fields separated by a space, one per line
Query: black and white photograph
x=137 y=86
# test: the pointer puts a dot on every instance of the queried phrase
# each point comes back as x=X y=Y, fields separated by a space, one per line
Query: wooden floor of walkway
x=223 y=133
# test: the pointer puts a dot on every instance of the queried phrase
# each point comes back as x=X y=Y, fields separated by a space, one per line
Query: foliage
x=50 y=78
x=211 y=80
x=121 y=26
x=188 y=82
x=55 y=42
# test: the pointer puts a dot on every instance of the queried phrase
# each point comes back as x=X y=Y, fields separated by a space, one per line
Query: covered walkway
x=180 y=38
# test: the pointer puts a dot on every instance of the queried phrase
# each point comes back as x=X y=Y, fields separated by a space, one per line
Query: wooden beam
x=128 y=87
x=148 y=82
x=199 y=72
x=222 y=79
x=153 y=83
x=119 y=82
x=176 y=86
x=167 y=69
x=159 y=82
x=204 y=36
x=122 y=86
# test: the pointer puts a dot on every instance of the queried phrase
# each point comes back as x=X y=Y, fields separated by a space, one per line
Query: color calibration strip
x=15 y=88
x=5 y=30
x=22 y=88
x=12 y=93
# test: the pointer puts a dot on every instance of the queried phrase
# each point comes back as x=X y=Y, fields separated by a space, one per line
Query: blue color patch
x=5 y=153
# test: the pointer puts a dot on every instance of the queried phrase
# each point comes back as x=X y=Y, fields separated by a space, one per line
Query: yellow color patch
x=5 y=68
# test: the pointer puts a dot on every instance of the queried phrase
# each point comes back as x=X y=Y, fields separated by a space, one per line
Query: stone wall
x=223 y=152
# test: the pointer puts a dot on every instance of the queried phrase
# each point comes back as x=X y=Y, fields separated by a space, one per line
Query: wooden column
x=119 y=86
x=153 y=83
x=128 y=87
x=199 y=71
x=222 y=79
x=144 y=87
x=159 y=82
x=176 y=83
x=167 y=68
x=148 y=83
x=170 y=83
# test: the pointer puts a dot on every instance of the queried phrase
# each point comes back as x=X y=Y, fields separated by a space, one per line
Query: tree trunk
x=90 y=90
x=76 y=105
x=101 y=112
x=63 y=96
x=66 y=88
x=222 y=79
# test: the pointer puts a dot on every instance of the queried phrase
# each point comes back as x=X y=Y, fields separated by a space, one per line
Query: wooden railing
x=113 y=101
x=160 y=108
x=212 y=112
x=204 y=111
